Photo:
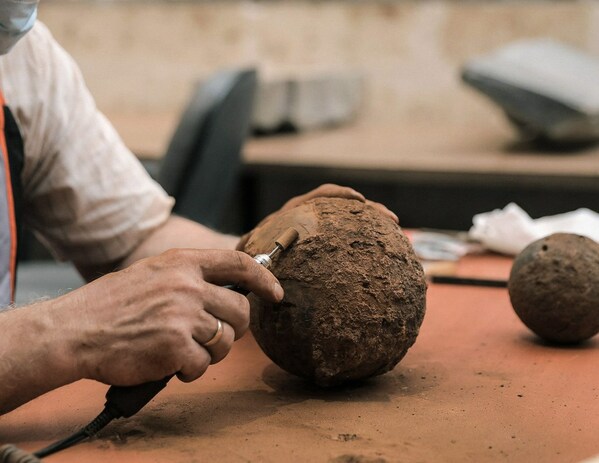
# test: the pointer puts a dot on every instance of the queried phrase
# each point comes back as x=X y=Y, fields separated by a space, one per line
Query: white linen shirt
x=84 y=192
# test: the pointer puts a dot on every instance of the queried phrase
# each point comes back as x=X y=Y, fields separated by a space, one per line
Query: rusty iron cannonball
x=554 y=287
x=354 y=292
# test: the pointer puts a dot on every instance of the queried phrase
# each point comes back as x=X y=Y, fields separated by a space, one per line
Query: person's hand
x=328 y=190
x=151 y=319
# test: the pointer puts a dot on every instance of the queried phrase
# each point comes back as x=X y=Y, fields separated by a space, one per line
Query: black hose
x=92 y=428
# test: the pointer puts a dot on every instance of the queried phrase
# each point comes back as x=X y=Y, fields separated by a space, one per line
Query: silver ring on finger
x=217 y=335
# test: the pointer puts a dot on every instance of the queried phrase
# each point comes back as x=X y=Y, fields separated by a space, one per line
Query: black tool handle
x=237 y=289
x=126 y=401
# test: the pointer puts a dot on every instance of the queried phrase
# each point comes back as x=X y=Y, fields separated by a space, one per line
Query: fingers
x=218 y=347
x=211 y=349
x=237 y=268
x=384 y=210
x=197 y=361
x=225 y=305
x=336 y=191
x=328 y=190
x=243 y=239
x=332 y=190
x=216 y=268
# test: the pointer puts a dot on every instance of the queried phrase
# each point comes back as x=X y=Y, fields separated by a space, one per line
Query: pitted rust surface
x=354 y=292
x=554 y=287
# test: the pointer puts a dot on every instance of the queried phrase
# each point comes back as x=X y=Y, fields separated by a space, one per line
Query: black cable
x=88 y=431
x=121 y=402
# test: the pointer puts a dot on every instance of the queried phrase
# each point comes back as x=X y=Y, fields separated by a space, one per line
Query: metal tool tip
x=287 y=238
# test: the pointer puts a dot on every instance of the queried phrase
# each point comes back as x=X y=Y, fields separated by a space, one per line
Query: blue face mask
x=16 y=19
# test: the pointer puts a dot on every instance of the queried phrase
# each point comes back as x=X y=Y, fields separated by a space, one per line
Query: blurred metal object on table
x=301 y=103
x=547 y=89
x=440 y=250
x=442 y=245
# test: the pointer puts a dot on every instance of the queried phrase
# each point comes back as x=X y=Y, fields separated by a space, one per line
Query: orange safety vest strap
x=10 y=204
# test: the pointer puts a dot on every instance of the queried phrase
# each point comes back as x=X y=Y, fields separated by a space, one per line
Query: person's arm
x=176 y=232
x=35 y=358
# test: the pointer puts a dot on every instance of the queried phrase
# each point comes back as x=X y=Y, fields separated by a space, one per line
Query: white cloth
x=510 y=230
x=85 y=193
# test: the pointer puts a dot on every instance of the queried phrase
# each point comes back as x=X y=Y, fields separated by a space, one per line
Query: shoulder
x=27 y=65
x=35 y=71
x=41 y=83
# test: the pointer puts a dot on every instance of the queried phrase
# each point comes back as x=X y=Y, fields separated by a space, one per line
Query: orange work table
x=476 y=386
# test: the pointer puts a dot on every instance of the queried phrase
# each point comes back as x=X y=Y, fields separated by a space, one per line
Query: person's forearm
x=178 y=232
x=37 y=352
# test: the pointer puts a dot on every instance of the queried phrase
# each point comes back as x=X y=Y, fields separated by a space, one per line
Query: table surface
x=476 y=386
x=442 y=148
x=419 y=148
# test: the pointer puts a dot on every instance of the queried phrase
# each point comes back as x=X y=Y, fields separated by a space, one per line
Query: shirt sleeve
x=86 y=195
